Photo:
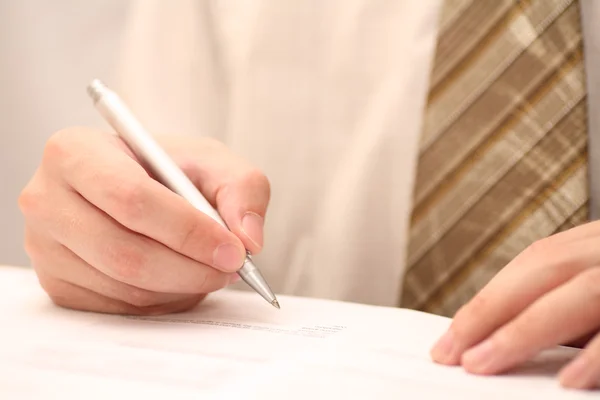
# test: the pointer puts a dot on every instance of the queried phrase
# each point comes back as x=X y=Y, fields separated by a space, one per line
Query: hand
x=549 y=295
x=104 y=236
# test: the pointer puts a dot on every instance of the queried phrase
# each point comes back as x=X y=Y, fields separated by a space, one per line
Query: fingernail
x=480 y=359
x=228 y=257
x=577 y=374
x=252 y=225
x=234 y=278
x=444 y=349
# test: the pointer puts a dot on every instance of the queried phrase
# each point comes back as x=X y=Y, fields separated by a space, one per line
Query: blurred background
x=49 y=51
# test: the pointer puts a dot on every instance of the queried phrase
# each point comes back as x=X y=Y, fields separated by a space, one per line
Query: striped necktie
x=503 y=153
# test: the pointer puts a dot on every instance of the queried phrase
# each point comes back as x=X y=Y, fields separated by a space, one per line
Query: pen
x=141 y=143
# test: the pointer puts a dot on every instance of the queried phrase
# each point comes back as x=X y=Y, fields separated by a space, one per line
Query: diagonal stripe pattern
x=503 y=153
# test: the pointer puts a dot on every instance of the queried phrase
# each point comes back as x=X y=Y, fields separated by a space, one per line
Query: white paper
x=235 y=345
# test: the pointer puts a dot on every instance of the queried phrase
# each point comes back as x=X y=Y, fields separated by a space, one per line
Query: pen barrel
x=150 y=154
x=158 y=162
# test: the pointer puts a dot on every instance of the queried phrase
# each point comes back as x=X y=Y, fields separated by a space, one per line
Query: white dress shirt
x=326 y=97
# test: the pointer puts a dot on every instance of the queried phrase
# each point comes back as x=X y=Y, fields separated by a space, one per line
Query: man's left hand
x=548 y=295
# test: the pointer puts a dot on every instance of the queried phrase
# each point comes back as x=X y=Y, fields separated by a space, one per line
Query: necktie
x=503 y=152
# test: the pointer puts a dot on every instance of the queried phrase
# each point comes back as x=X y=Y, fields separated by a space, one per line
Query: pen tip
x=275 y=304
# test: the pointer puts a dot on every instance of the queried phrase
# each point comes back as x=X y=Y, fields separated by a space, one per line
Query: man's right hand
x=104 y=236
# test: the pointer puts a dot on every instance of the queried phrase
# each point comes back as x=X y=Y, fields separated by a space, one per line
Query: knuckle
x=256 y=178
x=126 y=260
x=64 y=147
x=67 y=149
x=29 y=200
x=59 y=144
x=539 y=249
x=515 y=333
x=472 y=311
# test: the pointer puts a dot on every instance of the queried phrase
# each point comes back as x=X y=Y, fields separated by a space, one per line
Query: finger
x=68 y=295
x=564 y=314
x=588 y=230
x=581 y=342
x=113 y=182
x=243 y=204
x=584 y=371
x=539 y=269
x=120 y=253
x=239 y=191
x=57 y=261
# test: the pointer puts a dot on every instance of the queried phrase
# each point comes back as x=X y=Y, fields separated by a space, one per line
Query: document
x=235 y=345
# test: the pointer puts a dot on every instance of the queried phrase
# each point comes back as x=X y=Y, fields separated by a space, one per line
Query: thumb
x=239 y=191
x=242 y=202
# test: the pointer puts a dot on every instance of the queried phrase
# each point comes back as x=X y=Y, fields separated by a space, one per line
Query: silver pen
x=118 y=115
